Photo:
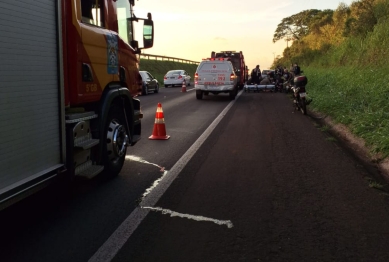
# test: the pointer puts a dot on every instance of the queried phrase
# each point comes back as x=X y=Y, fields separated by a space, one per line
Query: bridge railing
x=168 y=58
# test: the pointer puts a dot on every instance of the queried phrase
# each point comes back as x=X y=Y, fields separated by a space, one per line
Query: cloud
x=218 y=38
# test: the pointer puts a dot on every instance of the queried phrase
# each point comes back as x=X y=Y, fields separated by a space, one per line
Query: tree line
x=357 y=35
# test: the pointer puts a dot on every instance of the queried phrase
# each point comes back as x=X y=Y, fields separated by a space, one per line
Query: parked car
x=176 y=77
x=149 y=83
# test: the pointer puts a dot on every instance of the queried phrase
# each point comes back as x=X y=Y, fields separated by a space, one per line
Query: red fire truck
x=237 y=60
x=69 y=79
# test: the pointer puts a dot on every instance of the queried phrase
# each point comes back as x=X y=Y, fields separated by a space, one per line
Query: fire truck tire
x=114 y=152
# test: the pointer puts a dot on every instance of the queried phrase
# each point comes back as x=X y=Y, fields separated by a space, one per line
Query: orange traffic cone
x=183 y=87
x=159 y=131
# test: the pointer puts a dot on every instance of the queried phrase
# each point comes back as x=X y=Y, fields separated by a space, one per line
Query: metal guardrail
x=168 y=58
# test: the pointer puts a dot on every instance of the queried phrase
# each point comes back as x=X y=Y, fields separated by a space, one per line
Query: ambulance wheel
x=206 y=93
x=232 y=94
x=116 y=141
x=199 y=95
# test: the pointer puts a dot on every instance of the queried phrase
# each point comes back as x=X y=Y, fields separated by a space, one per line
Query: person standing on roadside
x=296 y=70
x=288 y=78
x=291 y=70
x=256 y=75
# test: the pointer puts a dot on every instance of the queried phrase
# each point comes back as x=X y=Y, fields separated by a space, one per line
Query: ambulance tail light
x=232 y=77
x=196 y=76
x=180 y=77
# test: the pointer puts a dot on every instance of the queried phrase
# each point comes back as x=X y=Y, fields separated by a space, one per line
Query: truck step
x=77 y=117
x=88 y=170
x=87 y=143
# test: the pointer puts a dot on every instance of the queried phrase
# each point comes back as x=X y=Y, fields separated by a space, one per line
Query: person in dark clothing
x=288 y=77
x=296 y=70
x=256 y=75
x=271 y=76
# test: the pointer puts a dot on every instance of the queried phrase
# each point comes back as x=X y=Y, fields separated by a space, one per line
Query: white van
x=216 y=75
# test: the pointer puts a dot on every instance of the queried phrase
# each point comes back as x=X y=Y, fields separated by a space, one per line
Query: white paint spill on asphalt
x=118 y=238
x=227 y=223
x=155 y=184
x=139 y=159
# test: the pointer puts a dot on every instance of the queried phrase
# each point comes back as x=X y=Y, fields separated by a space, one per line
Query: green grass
x=331 y=139
x=159 y=68
x=358 y=98
x=376 y=185
x=324 y=128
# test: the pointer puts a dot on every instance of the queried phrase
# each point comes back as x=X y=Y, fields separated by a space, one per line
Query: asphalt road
x=267 y=184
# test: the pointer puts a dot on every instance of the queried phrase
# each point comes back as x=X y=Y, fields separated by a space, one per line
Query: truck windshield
x=125 y=26
x=235 y=59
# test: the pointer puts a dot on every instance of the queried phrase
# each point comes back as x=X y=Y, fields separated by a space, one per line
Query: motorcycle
x=299 y=93
x=279 y=86
x=288 y=87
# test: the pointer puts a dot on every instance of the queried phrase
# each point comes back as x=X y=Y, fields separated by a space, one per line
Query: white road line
x=227 y=223
x=116 y=241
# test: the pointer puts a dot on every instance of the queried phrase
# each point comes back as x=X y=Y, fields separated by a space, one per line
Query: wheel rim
x=117 y=140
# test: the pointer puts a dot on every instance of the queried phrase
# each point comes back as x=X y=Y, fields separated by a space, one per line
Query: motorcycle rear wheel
x=303 y=106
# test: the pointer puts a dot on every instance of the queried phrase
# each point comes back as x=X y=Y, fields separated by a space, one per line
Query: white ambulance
x=216 y=75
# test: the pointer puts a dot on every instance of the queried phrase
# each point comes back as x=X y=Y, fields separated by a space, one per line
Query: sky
x=192 y=29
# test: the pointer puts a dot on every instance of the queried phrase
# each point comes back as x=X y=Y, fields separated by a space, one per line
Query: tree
x=362 y=18
x=296 y=26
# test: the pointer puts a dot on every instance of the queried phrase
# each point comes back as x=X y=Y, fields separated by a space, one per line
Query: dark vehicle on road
x=149 y=83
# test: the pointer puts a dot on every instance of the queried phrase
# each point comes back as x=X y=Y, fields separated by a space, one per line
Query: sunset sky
x=193 y=29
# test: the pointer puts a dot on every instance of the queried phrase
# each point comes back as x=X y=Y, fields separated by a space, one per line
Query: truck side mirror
x=148 y=33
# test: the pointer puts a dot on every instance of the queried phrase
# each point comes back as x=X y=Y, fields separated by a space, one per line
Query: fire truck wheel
x=117 y=141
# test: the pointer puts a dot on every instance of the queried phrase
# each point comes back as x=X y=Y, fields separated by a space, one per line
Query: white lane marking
x=118 y=238
x=227 y=223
